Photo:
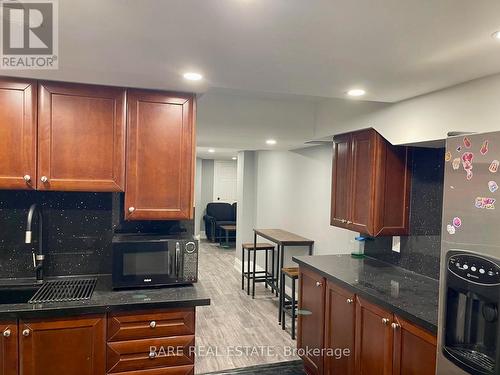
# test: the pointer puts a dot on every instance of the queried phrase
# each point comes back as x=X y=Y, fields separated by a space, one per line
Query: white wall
x=471 y=106
x=205 y=187
x=246 y=192
x=293 y=193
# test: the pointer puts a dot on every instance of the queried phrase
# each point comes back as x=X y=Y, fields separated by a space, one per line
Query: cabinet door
x=373 y=354
x=8 y=348
x=339 y=330
x=341 y=181
x=18 y=100
x=81 y=137
x=363 y=169
x=70 y=347
x=414 y=349
x=160 y=156
x=311 y=319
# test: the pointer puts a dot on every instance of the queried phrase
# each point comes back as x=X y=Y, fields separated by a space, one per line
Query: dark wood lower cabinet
x=339 y=330
x=379 y=342
x=414 y=349
x=178 y=370
x=70 y=346
x=8 y=348
x=374 y=339
x=311 y=320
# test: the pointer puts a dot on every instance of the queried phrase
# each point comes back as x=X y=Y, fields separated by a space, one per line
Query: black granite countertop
x=408 y=294
x=104 y=299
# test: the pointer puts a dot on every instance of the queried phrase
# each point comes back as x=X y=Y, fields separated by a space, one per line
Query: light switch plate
x=396 y=244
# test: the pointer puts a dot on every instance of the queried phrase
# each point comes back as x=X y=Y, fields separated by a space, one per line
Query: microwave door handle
x=177 y=259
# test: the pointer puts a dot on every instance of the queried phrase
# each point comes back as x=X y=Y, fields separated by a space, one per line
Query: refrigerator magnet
x=484 y=148
x=494 y=166
x=493 y=186
x=459 y=148
x=457 y=222
x=467 y=142
x=456 y=163
x=447 y=156
x=451 y=229
x=469 y=174
x=485 y=203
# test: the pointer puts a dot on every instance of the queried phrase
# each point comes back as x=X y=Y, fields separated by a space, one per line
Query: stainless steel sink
x=17 y=294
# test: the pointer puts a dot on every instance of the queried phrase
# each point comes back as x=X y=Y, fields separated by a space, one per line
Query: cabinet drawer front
x=178 y=370
x=177 y=322
x=135 y=355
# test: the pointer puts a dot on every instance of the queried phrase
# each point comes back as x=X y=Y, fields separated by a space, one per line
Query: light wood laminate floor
x=234 y=322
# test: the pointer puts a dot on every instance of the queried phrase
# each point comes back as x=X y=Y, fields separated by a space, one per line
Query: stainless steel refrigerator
x=468 y=334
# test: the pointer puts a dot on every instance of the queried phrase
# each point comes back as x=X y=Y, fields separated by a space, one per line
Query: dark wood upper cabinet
x=370 y=184
x=160 y=156
x=71 y=346
x=8 y=348
x=311 y=320
x=81 y=137
x=341 y=180
x=374 y=339
x=18 y=129
x=414 y=349
x=340 y=313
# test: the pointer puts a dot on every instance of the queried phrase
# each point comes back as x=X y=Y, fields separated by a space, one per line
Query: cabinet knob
x=318 y=283
x=44 y=179
x=152 y=324
x=6 y=333
x=395 y=326
x=131 y=209
x=27 y=178
x=385 y=321
x=26 y=332
x=349 y=222
x=350 y=301
x=152 y=355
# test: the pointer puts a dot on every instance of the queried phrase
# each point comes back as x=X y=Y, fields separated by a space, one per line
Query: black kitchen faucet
x=37 y=258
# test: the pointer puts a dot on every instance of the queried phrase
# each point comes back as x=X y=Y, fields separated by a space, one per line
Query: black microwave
x=154 y=260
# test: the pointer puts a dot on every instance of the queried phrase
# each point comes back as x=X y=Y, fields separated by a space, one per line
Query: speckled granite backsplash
x=78 y=229
x=420 y=251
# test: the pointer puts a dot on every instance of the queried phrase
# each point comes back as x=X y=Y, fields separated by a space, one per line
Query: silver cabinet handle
x=44 y=179
x=395 y=326
x=152 y=324
x=385 y=321
x=318 y=284
x=26 y=332
x=152 y=355
x=131 y=209
x=27 y=178
x=6 y=333
x=350 y=301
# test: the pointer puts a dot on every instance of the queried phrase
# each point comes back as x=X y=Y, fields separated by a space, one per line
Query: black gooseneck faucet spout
x=39 y=257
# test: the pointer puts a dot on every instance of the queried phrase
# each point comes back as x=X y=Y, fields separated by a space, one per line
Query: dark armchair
x=218 y=214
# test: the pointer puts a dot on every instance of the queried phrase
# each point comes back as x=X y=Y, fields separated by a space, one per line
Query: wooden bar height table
x=282 y=239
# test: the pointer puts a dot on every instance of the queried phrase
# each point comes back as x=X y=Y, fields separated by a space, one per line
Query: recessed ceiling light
x=211 y=150
x=192 y=76
x=271 y=142
x=356 y=92
x=496 y=35
x=234 y=158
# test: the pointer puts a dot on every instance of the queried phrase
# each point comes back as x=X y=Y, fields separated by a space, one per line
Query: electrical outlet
x=396 y=244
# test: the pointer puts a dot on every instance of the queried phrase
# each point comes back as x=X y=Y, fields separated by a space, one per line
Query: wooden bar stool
x=287 y=301
x=265 y=276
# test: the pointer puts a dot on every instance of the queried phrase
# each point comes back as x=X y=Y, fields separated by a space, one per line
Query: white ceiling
x=395 y=49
